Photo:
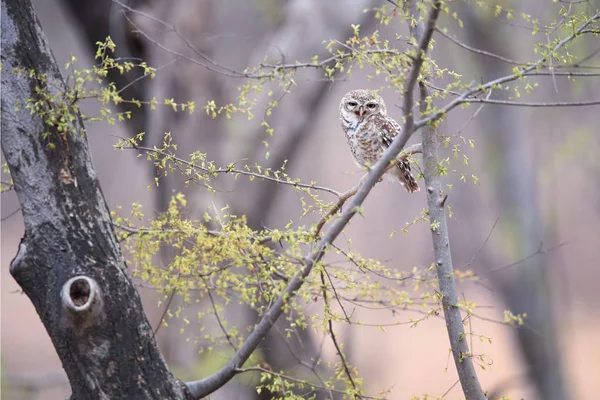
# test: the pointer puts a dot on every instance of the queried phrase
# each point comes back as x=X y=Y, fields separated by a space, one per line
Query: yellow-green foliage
x=221 y=260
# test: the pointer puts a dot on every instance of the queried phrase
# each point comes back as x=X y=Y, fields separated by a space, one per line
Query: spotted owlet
x=369 y=131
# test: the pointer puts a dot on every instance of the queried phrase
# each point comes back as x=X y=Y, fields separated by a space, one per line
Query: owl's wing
x=388 y=129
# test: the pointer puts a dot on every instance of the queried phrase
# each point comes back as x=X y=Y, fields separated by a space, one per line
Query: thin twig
x=475 y=114
x=478 y=88
x=483 y=244
x=450 y=389
x=216 y=312
x=477 y=51
x=230 y=170
x=539 y=251
x=11 y=214
x=532 y=104
x=139 y=78
x=164 y=314
x=292 y=379
x=333 y=336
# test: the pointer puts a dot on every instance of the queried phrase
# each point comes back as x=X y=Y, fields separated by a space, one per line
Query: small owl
x=370 y=131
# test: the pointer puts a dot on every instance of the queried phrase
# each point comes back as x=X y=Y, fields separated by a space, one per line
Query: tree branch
x=479 y=88
x=532 y=104
x=477 y=51
x=204 y=387
x=343 y=197
x=229 y=170
x=441 y=242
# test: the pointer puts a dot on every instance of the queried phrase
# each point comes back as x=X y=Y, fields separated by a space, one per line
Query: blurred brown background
x=538 y=173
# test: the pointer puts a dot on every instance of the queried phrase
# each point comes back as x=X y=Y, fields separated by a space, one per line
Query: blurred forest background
x=537 y=196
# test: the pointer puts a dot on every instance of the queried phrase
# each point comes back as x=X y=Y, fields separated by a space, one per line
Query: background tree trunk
x=69 y=263
x=510 y=151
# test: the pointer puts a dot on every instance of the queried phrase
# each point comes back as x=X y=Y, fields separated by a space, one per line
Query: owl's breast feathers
x=366 y=147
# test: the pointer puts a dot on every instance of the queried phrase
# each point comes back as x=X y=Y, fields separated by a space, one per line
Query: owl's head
x=359 y=104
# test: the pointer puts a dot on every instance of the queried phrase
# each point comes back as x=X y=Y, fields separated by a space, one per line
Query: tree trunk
x=69 y=263
x=526 y=288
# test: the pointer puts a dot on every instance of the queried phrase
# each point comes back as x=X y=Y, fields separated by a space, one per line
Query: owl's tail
x=403 y=173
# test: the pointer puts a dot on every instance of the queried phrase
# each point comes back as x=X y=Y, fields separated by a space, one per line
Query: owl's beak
x=361 y=111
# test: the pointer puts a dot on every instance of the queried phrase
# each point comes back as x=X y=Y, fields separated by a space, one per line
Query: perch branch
x=343 y=197
x=204 y=387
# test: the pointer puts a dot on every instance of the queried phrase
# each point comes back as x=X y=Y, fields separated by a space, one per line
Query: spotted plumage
x=369 y=131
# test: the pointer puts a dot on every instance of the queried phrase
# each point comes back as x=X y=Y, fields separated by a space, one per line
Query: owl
x=370 y=131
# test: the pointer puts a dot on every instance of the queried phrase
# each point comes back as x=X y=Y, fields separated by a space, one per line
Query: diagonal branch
x=343 y=197
x=204 y=387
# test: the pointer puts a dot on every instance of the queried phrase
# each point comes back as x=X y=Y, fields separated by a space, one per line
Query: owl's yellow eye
x=371 y=106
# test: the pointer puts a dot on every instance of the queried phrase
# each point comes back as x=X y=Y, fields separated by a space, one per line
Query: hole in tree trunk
x=80 y=292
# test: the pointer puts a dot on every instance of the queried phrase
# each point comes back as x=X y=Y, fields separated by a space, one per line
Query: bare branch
x=338 y=349
x=477 y=51
x=475 y=114
x=540 y=250
x=482 y=245
x=532 y=104
x=206 y=61
x=10 y=215
x=479 y=88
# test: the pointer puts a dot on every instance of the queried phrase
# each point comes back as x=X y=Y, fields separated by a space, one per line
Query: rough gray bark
x=182 y=81
x=69 y=263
